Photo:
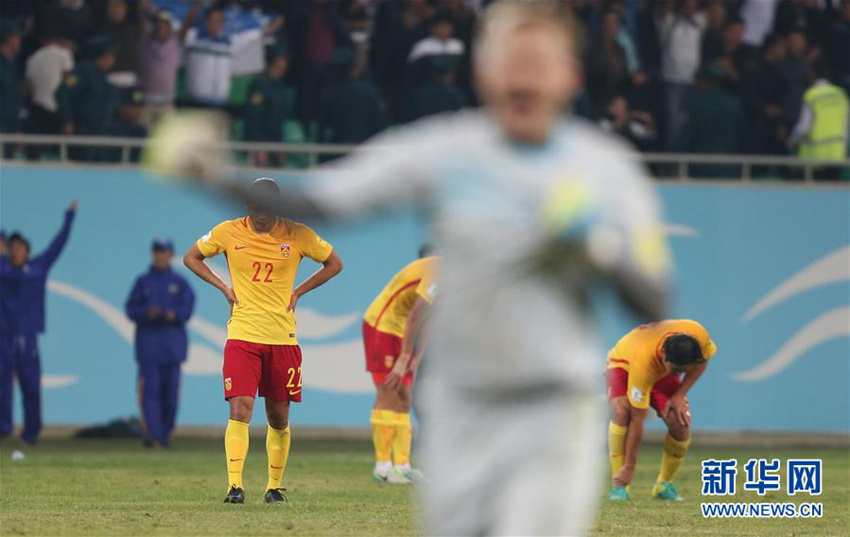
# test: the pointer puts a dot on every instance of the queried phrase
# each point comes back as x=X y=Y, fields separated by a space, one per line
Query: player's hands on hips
x=153 y=312
x=73 y=206
x=624 y=476
x=293 y=301
x=681 y=409
x=230 y=295
x=170 y=316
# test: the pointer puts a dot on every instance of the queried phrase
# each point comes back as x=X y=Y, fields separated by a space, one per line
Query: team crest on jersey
x=285 y=250
x=228 y=384
x=389 y=361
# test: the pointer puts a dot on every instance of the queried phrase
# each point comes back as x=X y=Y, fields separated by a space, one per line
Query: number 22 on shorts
x=294 y=380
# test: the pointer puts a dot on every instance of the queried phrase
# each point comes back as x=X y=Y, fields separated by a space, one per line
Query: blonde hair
x=508 y=16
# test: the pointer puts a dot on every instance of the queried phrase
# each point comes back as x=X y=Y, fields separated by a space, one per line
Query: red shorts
x=274 y=370
x=618 y=382
x=382 y=350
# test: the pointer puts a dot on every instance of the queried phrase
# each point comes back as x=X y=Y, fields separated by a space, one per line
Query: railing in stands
x=668 y=166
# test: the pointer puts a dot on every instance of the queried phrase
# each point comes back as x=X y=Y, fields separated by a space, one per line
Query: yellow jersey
x=263 y=268
x=639 y=353
x=388 y=312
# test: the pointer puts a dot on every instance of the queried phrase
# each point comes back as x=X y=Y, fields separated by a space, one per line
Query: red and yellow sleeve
x=314 y=246
x=214 y=242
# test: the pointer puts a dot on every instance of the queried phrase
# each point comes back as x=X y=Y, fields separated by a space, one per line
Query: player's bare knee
x=241 y=409
x=404 y=399
x=383 y=398
x=679 y=432
x=620 y=411
x=277 y=414
x=278 y=422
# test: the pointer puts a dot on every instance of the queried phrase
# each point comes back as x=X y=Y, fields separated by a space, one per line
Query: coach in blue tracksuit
x=160 y=304
x=23 y=283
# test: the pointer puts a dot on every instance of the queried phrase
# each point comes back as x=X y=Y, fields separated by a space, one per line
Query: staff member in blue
x=23 y=281
x=160 y=304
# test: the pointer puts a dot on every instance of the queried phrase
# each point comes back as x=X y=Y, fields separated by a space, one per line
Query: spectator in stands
x=268 y=105
x=462 y=18
x=733 y=57
x=441 y=93
x=822 y=130
x=646 y=34
x=795 y=74
x=625 y=37
x=439 y=42
x=44 y=72
x=636 y=126
x=125 y=30
x=129 y=124
x=764 y=96
x=606 y=67
x=72 y=19
x=86 y=97
x=209 y=59
x=159 y=60
x=350 y=107
x=398 y=26
x=715 y=32
x=11 y=89
x=322 y=32
x=804 y=15
x=680 y=34
x=355 y=16
x=758 y=16
x=839 y=46
x=714 y=123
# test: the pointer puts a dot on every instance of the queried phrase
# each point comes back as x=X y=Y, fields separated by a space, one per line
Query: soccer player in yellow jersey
x=393 y=338
x=645 y=369
x=263 y=253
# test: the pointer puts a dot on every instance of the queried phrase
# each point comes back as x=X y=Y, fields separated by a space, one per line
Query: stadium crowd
x=697 y=76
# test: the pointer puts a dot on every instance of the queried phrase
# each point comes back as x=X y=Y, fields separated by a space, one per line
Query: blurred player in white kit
x=530 y=209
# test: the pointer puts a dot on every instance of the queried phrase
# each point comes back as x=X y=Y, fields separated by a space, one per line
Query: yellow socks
x=392 y=434
x=383 y=433
x=671 y=457
x=235 y=449
x=403 y=438
x=616 y=446
x=277 y=448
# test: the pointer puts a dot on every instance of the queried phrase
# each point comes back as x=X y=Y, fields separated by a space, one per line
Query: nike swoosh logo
x=239 y=247
x=276 y=467
x=295 y=392
x=235 y=460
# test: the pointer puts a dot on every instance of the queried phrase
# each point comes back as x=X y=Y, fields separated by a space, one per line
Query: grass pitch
x=95 y=487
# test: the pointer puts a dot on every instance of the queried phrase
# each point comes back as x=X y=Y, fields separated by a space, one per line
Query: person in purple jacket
x=23 y=282
x=160 y=304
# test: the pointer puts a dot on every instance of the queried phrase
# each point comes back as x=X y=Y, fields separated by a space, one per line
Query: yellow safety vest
x=827 y=138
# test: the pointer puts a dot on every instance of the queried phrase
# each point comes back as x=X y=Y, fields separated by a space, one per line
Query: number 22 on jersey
x=262 y=272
